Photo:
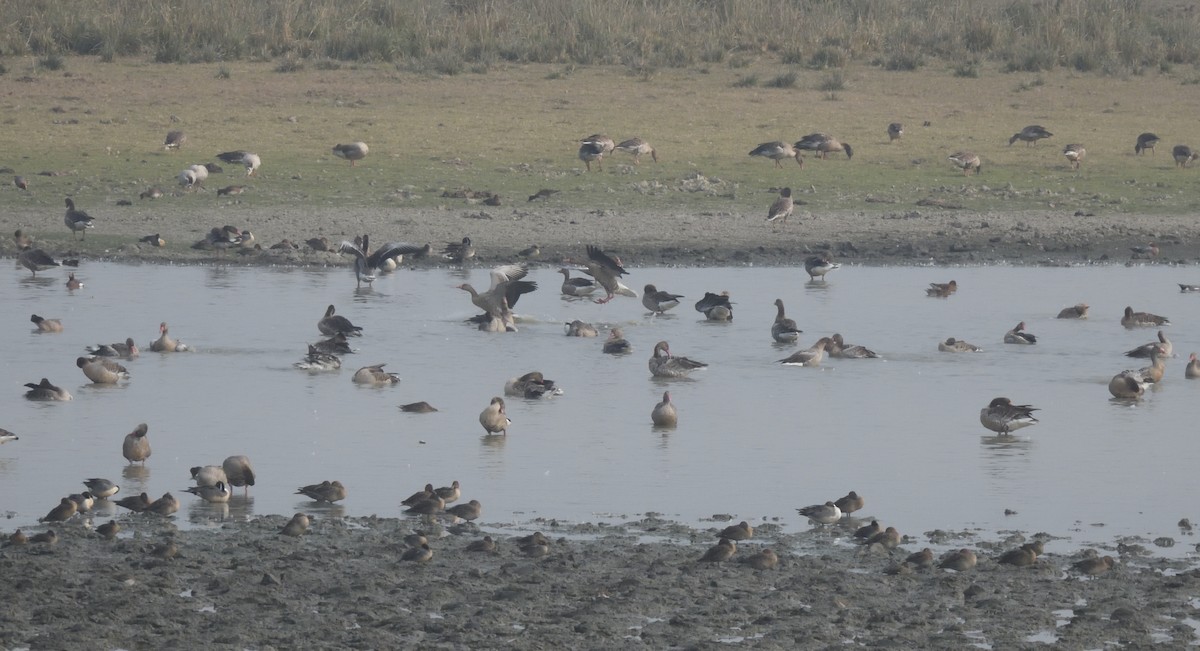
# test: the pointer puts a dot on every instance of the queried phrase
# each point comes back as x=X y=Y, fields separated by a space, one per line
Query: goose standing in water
x=664 y=414
x=606 y=270
x=507 y=286
x=352 y=152
x=715 y=307
x=576 y=286
x=966 y=161
x=102 y=370
x=777 y=151
x=249 y=160
x=664 y=364
x=616 y=343
x=784 y=330
x=1127 y=385
x=36 y=260
x=1133 y=319
x=1153 y=374
x=367 y=263
x=818 y=265
x=658 y=301
x=638 y=147
x=165 y=344
x=44 y=391
x=494 y=418
x=136 y=447
x=335 y=324
x=239 y=471
x=218 y=493
x=1018 y=336
x=1145 y=350
x=1145 y=141
x=953 y=345
x=77 y=220
x=810 y=356
x=1030 y=135
x=1002 y=416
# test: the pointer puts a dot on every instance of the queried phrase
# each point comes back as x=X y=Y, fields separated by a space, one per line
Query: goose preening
x=658 y=301
x=616 y=344
x=36 y=260
x=459 y=252
x=827 y=513
x=295 y=527
x=1074 y=153
x=839 y=348
x=664 y=413
x=102 y=370
x=577 y=286
x=1133 y=319
x=218 y=493
x=1145 y=141
x=335 y=345
x=164 y=343
x=494 y=418
x=1077 y=311
x=532 y=386
x=638 y=147
x=1145 y=350
x=1127 y=385
x=77 y=220
x=966 y=161
x=316 y=360
x=374 y=375
x=174 y=140
x=208 y=475
x=128 y=349
x=594 y=148
x=810 y=356
x=784 y=330
x=136 y=447
x=663 y=364
x=777 y=151
x=715 y=307
x=336 y=324
x=1018 y=335
x=606 y=270
x=1030 y=135
x=823 y=144
x=46 y=325
x=249 y=160
x=368 y=263
x=1184 y=155
x=44 y=391
x=952 y=345
x=354 y=151
x=895 y=131
x=193 y=177
x=579 y=328
x=507 y=286
x=101 y=487
x=818 y=265
x=1002 y=416
x=942 y=290
x=326 y=491
x=782 y=207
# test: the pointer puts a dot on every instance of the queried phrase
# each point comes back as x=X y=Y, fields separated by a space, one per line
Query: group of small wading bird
x=213 y=483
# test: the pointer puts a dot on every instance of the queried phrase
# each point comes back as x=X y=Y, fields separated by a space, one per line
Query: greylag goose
x=459 y=252
x=295 y=527
x=1148 y=251
x=1192 y=370
x=844 y=351
x=316 y=360
x=1077 y=311
x=193 y=177
x=136 y=447
x=590 y=152
x=375 y=376
x=46 y=325
x=102 y=370
x=469 y=511
x=1030 y=135
x=127 y=349
x=1074 y=153
x=336 y=324
x=506 y=288
x=638 y=147
x=1133 y=319
x=819 y=265
x=164 y=343
x=494 y=418
x=451 y=493
x=782 y=207
x=72 y=282
x=1127 y=385
x=784 y=330
x=174 y=140
x=367 y=263
x=21 y=182
x=606 y=270
x=336 y=345
x=77 y=220
x=239 y=470
x=1094 y=566
x=1145 y=350
x=64 y=511
x=218 y=493
x=719 y=553
x=6 y=436
x=23 y=241
x=823 y=144
x=826 y=513
x=165 y=505
x=1145 y=141
x=953 y=345
x=616 y=343
x=422 y=554
x=421 y=407
x=664 y=413
x=942 y=290
x=1018 y=336
x=1183 y=155
x=101 y=487
x=208 y=475
x=36 y=260
x=777 y=151
x=576 y=286
x=664 y=364
x=738 y=532
x=247 y=159
x=658 y=301
x=326 y=491
x=532 y=386
x=578 y=328
x=1153 y=374
x=352 y=152
x=810 y=356
x=850 y=502
x=895 y=131
x=1002 y=416
x=966 y=161
x=135 y=503
x=763 y=559
x=605 y=144
x=715 y=307
x=44 y=391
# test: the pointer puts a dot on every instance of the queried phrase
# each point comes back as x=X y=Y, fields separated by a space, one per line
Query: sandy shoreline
x=343 y=585
x=901 y=235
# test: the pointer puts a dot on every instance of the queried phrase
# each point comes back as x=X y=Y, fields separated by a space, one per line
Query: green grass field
x=516 y=130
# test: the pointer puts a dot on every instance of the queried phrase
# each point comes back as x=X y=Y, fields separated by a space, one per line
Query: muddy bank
x=900 y=235
x=344 y=585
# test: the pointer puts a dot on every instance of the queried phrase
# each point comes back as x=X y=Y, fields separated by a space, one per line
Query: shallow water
x=755 y=439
